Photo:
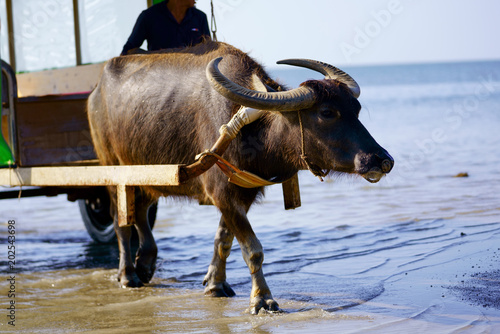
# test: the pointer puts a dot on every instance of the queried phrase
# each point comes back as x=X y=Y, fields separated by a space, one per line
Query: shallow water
x=418 y=251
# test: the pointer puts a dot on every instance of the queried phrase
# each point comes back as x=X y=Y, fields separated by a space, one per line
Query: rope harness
x=243 y=178
x=313 y=168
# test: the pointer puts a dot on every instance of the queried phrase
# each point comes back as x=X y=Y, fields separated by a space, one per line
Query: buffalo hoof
x=129 y=279
x=222 y=289
x=145 y=265
x=145 y=273
x=262 y=303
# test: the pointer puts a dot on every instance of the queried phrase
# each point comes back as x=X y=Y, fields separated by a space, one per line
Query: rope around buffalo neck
x=313 y=168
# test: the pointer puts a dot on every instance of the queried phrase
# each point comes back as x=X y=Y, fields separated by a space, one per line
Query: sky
x=339 y=32
x=360 y=32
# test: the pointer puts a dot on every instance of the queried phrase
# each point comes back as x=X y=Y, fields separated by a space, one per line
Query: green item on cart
x=6 y=159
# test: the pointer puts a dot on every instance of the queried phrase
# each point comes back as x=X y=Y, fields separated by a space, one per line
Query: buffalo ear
x=260 y=86
x=257 y=84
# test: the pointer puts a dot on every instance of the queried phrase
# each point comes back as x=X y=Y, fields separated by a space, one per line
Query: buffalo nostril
x=387 y=165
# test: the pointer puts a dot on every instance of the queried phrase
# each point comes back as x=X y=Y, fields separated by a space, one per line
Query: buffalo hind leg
x=145 y=259
x=253 y=254
x=130 y=274
x=215 y=279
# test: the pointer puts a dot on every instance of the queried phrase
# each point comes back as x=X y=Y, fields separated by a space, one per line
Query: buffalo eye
x=329 y=113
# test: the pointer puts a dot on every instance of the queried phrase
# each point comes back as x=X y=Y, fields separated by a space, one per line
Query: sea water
x=418 y=251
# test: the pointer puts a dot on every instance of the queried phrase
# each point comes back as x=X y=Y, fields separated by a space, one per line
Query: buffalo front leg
x=260 y=297
x=253 y=254
x=215 y=279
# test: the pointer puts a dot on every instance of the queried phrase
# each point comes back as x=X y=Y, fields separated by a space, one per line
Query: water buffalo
x=164 y=109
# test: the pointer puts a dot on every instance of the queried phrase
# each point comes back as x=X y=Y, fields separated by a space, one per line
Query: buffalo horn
x=296 y=99
x=330 y=72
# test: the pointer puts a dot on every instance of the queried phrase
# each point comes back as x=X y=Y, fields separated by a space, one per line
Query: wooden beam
x=137 y=175
x=123 y=177
x=125 y=205
x=291 y=193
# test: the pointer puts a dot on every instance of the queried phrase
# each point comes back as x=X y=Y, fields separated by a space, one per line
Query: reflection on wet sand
x=89 y=300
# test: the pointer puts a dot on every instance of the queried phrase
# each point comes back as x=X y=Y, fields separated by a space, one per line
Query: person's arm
x=137 y=36
x=205 y=30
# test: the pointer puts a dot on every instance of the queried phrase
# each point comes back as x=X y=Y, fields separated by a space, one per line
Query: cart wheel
x=98 y=221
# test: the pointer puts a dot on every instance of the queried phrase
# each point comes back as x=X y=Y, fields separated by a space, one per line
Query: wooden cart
x=44 y=126
x=53 y=154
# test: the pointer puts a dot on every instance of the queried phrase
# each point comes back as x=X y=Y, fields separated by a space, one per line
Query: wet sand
x=440 y=276
x=440 y=301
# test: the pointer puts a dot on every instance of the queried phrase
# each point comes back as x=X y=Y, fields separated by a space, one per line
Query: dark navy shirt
x=161 y=30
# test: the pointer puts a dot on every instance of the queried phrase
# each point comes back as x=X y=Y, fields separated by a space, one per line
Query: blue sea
x=418 y=251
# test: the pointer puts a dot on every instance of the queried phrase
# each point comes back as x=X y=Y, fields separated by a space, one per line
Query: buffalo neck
x=271 y=147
